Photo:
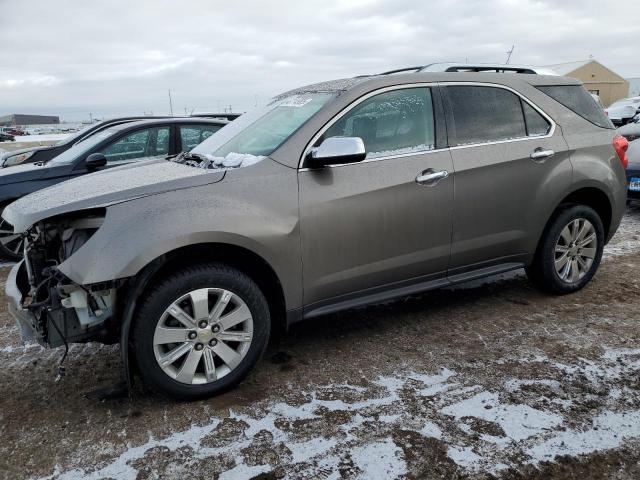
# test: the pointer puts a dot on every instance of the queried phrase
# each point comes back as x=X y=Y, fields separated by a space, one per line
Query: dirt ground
x=489 y=380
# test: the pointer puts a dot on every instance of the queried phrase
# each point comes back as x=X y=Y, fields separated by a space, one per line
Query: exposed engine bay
x=61 y=310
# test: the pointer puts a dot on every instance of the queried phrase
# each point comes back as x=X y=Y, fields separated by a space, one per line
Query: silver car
x=333 y=196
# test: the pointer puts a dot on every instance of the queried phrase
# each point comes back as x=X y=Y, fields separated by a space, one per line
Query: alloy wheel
x=575 y=250
x=203 y=336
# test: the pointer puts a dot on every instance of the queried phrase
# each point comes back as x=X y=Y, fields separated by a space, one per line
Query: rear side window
x=486 y=114
x=491 y=114
x=536 y=123
x=390 y=123
x=192 y=135
x=577 y=99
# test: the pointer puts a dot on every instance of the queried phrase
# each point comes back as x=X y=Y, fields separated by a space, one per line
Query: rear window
x=577 y=99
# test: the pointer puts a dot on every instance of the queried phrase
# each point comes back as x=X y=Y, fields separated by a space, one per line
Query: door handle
x=539 y=155
x=430 y=177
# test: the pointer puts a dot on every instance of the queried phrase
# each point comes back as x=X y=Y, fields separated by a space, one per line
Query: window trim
x=453 y=141
x=437 y=108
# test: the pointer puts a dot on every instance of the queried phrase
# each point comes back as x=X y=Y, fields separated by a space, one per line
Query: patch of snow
x=380 y=461
x=465 y=457
x=232 y=160
x=518 y=421
x=244 y=471
x=609 y=431
x=432 y=430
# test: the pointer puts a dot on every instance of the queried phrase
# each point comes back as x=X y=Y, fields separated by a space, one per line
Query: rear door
x=510 y=160
x=370 y=223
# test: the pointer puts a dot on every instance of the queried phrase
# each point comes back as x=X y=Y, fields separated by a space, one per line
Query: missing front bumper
x=25 y=319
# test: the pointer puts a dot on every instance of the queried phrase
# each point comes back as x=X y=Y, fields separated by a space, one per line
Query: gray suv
x=333 y=196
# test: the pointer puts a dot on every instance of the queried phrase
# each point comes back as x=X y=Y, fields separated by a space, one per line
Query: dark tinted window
x=486 y=114
x=576 y=98
x=536 y=123
x=390 y=123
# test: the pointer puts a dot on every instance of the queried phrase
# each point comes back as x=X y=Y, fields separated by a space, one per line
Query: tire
x=216 y=369
x=12 y=249
x=561 y=243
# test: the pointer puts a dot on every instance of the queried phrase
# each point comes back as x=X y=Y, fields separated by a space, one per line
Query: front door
x=371 y=223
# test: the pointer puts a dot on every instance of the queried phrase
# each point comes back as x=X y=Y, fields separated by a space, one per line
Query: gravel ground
x=491 y=379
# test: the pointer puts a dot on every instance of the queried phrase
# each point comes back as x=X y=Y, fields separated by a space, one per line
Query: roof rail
x=477 y=67
x=400 y=70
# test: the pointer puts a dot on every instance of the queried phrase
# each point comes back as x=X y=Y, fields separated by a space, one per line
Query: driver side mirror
x=95 y=161
x=335 y=151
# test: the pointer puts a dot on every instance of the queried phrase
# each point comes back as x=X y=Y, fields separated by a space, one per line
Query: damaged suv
x=332 y=196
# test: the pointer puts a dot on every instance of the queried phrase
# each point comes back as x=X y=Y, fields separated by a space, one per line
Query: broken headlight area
x=62 y=310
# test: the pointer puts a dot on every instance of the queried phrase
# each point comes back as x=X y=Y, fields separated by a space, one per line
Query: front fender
x=256 y=213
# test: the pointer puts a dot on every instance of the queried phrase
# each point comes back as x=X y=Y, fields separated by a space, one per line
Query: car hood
x=630 y=130
x=106 y=188
x=11 y=153
x=633 y=154
x=622 y=111
x=22 y=173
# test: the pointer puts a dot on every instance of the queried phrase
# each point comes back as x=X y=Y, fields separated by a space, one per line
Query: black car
x=43 y=154
x=633 y=170
x=6 y=137
x=116 y=145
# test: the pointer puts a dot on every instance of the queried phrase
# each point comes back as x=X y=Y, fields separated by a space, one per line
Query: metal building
x=597 y=78
x=22 y=119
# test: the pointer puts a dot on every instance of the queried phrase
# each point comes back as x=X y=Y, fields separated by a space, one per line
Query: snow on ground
x=483 y=429
x=47 y=137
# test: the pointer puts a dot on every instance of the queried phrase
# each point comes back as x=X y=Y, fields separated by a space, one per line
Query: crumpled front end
x=49 y=307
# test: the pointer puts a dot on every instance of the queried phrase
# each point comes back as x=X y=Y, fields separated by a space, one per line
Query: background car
x=15 y=131
x=631 y=131
x=117 y=145
x=633 y=170
x=4 y=137
x=623 y=111
x=42 y=154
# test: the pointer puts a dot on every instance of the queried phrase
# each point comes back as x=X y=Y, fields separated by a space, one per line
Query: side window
x=140 y=144
x=195 y=134
x=485 y=114
x=536 y=124
x=162 y=141
x=391 y=123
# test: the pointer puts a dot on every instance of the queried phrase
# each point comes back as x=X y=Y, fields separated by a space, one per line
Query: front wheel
x=570 y=250
x=200 y=331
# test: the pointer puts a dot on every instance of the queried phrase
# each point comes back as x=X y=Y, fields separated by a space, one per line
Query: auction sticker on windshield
x=634 y=184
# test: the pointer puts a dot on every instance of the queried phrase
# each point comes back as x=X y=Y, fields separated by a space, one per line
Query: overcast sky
x=115 y=57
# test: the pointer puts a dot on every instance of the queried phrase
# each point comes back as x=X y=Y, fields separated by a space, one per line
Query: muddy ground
x=492 y=379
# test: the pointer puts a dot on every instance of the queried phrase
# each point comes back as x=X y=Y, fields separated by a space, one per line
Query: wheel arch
x=590 y=195
x=241 y=258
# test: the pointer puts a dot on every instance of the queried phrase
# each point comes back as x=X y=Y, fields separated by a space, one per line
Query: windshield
x=69 y=156
x=257 y=134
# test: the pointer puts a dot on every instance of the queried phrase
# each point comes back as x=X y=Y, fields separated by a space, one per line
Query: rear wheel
x=10 y=243
x=570 y=251
x=200 y=331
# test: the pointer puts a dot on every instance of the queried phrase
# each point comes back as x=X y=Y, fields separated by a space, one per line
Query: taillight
x=621 y=144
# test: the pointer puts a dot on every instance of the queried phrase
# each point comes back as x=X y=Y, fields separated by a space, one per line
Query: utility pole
x=170 y=103
x=509 y=53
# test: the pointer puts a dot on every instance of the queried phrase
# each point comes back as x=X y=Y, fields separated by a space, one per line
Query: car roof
x=382 y=80
x=169 y=121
